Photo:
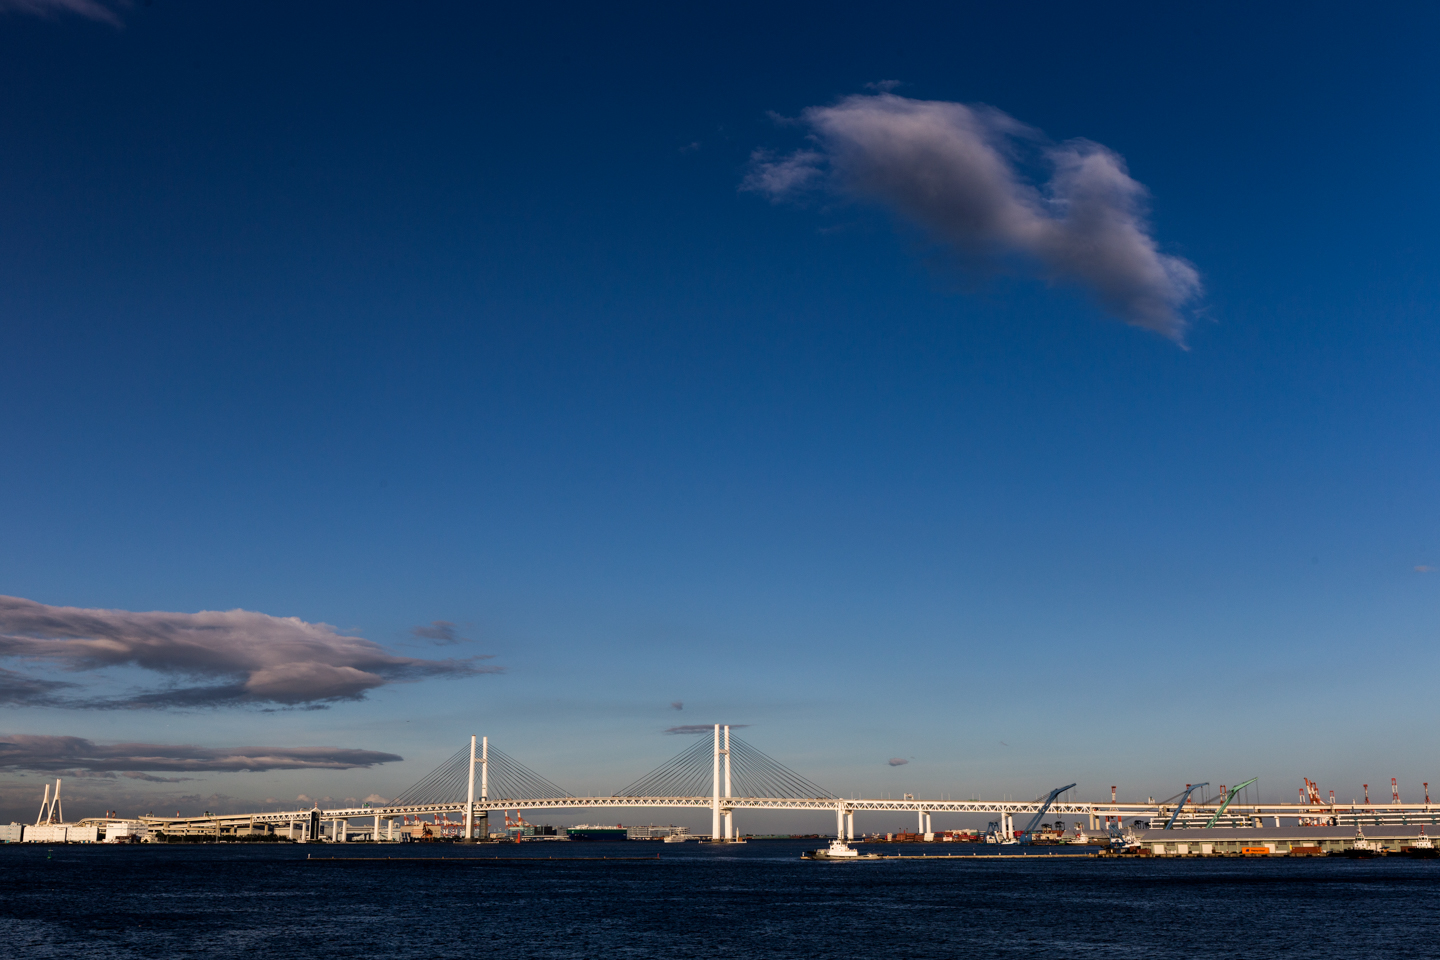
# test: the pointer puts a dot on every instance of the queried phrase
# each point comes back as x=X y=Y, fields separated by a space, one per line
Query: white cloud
x=784 y=177
x=957 y=171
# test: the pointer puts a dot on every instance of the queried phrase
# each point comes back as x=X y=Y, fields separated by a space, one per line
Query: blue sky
x=375 y=317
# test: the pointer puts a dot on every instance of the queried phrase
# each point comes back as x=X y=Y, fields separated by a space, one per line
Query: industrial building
x=1274 y=841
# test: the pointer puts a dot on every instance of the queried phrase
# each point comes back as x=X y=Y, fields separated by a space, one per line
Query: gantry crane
x=1044 y=808
x=1226 y=802
x=1189 y=789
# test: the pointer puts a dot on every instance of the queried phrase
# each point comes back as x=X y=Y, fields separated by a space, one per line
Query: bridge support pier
x=470 y=797
x=715 y=797
x=850 y=825
x=729 y=814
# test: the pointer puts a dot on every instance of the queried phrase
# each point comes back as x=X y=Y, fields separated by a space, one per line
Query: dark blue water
x=758 y=900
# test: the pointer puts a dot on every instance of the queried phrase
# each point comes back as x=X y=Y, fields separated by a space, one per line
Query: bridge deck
x=1371 y=813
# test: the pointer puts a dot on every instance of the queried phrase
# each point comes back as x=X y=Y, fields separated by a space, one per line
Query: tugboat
x=1362 y=849
x=994 y=833
x=1424 y=848
x=1122 y=840
x=838 y=850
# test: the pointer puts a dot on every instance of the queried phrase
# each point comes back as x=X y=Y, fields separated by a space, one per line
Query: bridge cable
x=753 y=773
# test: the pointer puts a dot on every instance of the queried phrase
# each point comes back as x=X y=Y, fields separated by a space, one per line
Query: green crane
x=1230 y=795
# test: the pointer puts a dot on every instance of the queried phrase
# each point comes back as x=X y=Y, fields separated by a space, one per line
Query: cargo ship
x=590 y=833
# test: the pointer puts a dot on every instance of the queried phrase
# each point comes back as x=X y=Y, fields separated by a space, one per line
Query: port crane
x=1044 y=808
x=1189 y=789
x=1230 y=795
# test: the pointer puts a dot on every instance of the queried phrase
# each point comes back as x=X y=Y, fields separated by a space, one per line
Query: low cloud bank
x=897 y=761
x=136 y=760
x=248 y=658
x=960 y=173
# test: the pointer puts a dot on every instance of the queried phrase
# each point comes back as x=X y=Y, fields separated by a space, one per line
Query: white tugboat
x=838 y=850
x=1423 y=848
x=1121 y=839
x=1362 y=848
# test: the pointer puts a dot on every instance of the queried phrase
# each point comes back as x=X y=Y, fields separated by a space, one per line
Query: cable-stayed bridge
x=724 y=774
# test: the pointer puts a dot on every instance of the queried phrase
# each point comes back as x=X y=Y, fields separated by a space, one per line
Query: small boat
x=1423 y=848
x=838 y=850
x=1363 y=849
x=675 y=838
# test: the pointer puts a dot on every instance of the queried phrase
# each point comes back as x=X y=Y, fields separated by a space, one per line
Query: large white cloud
x=241 y=657
x=957 y=171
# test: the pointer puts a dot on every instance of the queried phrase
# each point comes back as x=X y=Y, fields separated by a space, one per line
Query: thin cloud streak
x=439 y=632
x=957 y=172
x=16 y=689
x=91 y=9
x=48 y=753
x=249 y=658
x=151 y=778
x=690 y=728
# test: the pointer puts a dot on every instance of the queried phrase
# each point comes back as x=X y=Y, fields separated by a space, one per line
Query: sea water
x=735 y=902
